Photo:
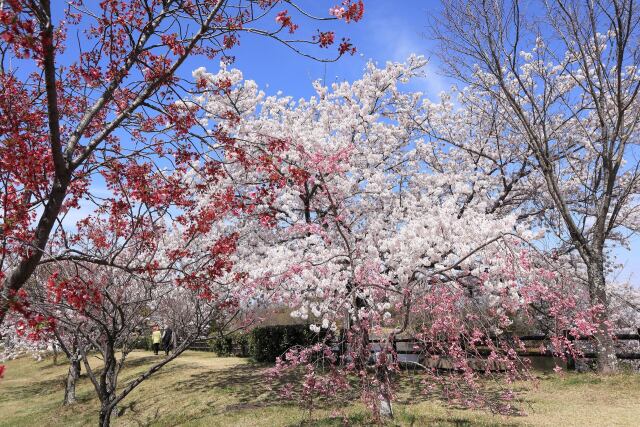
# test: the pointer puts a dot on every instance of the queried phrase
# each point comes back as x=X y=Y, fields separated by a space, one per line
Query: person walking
x=167 y=340
x=155 y=339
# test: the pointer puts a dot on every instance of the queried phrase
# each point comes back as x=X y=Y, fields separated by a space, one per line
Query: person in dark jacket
x=167 y=340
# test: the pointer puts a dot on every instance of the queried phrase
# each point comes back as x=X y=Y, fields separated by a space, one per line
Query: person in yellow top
x=156 y=336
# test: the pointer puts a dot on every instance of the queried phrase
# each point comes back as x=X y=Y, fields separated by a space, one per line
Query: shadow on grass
x=135 y=415
x=146 y=360
x=362 y=419
x=459 y=422
x=410 y=389
x=251 y=388
x=250 y=385
x=351 y=420
x=21 y=392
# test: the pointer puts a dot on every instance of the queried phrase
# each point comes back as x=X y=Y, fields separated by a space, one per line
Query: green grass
x=199 y=389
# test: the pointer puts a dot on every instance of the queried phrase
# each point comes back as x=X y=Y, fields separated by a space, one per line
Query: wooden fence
x=411 y=352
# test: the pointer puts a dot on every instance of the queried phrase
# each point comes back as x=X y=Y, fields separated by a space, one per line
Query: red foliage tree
x=89 y=96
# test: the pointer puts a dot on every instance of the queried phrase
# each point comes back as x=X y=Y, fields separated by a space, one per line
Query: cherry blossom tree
x=466 y=133
x=105 y=106
x=32 y=330
x=564 y=81
x=625 y=306
x=365 y=238
x=18 y=340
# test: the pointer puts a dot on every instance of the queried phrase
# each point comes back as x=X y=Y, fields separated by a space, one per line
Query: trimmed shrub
x=143 y=342
x=264 y=343
x=269 y=342
x=236 y=344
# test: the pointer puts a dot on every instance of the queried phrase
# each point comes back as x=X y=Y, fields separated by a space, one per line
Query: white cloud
x=394 y=40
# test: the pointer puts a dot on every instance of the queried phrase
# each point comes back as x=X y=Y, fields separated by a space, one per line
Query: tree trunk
x=107 y=408
x=70 y=384
x=385 y=409
x=55 y=354
x=27 y=265
x=108 y=384
x=607 y=360
x=105 y=415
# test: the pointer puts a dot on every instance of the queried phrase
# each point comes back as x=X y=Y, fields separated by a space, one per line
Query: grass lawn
x=199 y=389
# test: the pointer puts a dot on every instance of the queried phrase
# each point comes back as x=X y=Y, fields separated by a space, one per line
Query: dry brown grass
x=200 y=389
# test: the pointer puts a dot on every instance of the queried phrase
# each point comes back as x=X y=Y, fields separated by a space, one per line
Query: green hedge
x=236 y=344
x=142 y=343
x=265 y=343
x=269 y=342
